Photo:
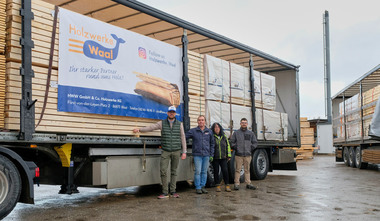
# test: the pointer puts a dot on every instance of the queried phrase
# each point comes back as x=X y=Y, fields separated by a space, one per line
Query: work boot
x=203 y=189
x=228 y=189
x=198 y=191
x=236 y=187
x=251 y=187
x=218 y=188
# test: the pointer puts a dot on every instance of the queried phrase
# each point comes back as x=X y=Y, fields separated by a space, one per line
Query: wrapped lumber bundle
x=220 y=84
x=240 y=85
x=217 y=78
x=220 y=112
x=271 y=125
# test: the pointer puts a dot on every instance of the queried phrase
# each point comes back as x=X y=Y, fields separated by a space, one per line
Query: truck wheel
x=351 y=156
x=346 y=156
x=260 y=165
x=210 y=182
x=358 y=159
x=10 y=186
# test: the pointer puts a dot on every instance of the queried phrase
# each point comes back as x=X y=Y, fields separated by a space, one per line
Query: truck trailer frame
x=71 y=159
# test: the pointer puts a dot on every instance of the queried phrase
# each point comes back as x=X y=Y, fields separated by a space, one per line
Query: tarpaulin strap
x=231 y=121
x=262 y=103
x=200 y=84
x=222 y=97
x=52 y=43
x=282 y=128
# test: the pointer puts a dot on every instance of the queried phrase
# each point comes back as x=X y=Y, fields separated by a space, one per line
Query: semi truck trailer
x=355 y=126
x=77 y=76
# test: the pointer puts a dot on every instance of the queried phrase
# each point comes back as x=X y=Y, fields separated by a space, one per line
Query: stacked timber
x=2 y=26
x=2 y=60
x=349 y=111
x=372 y=156
x=68 y=122
x=196 y=87
x=307 y=141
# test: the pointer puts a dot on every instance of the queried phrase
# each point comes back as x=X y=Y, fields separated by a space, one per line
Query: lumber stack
x=369 y=97
x=351 y=108
x=196 y=87
x=69 y=122
x=2 y=60
x=372 y=156
x=228 y=99
x=2 y=26
x=307 y=141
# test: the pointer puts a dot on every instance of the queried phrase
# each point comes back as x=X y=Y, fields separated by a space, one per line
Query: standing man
x=202 y=151
x=243 y=141
x=172 y=137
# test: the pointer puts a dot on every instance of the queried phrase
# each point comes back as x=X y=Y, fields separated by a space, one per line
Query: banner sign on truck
x=104 y=69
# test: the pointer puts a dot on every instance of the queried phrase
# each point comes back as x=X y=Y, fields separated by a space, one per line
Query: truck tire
x=358 y=159
x=10 y=186
x=346 y=156
x=210 y=182
x=260 y=165
x=351 y=156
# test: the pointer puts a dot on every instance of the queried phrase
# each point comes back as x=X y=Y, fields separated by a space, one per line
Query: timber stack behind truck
x=74 y=86
x=353 y=120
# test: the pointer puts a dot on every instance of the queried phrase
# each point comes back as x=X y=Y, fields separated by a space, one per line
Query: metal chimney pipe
x=326 y=52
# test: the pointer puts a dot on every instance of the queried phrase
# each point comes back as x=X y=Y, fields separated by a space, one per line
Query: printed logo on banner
x=142 y=53
x=91 y=48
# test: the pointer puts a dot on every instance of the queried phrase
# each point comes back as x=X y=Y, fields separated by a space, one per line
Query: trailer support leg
x=69 y=187
x=64 y=153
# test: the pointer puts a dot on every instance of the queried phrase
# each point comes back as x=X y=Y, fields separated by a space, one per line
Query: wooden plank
x=307 y=131
x=307 y=140
x=304 y=124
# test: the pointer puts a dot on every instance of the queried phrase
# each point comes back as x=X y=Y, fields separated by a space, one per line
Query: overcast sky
x=292 y=30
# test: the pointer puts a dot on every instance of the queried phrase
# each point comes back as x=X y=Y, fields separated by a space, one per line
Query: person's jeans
x=200 y=174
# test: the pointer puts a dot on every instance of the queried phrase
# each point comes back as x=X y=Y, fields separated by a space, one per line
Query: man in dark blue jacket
x=202 y=150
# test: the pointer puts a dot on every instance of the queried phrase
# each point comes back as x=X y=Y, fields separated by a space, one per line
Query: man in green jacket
x=172 y=138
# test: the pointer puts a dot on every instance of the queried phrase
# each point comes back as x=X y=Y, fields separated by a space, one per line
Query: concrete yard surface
x=321 y=189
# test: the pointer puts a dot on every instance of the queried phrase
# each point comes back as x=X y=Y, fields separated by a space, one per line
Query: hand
x=183 y=156
x=136 y=130
x=228 y=159
x=211 y=159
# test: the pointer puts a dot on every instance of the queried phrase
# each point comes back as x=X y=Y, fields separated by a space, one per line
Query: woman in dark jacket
x=222 y=154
